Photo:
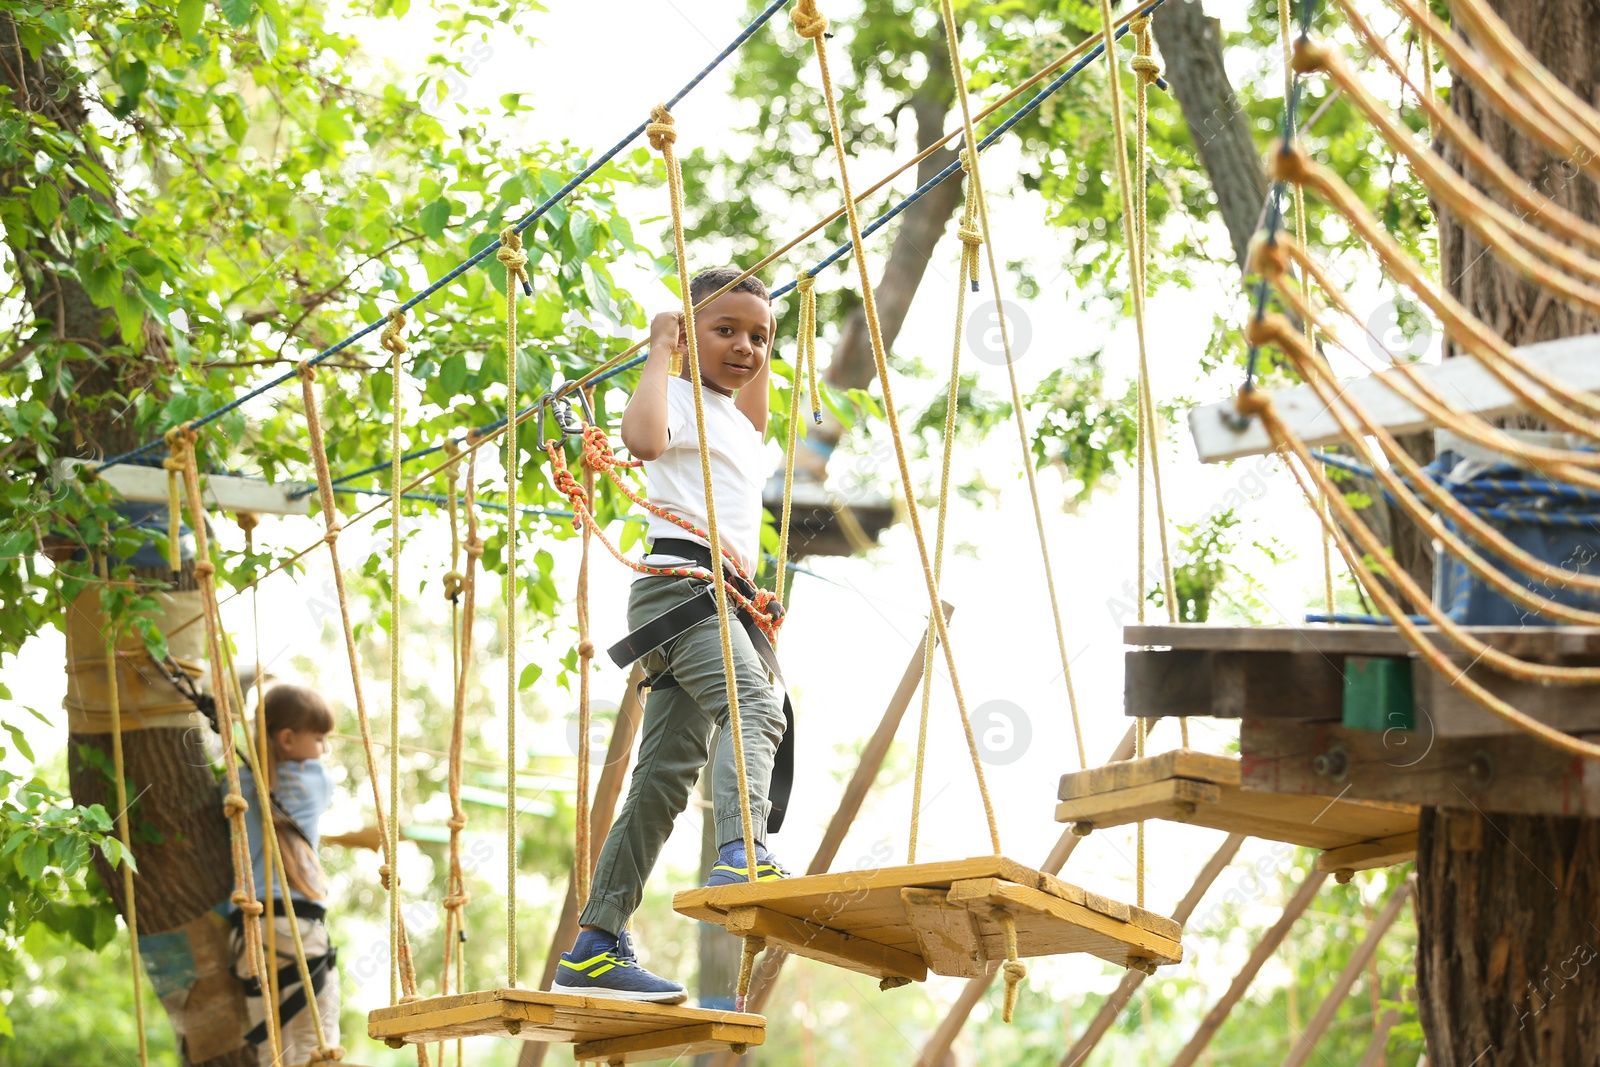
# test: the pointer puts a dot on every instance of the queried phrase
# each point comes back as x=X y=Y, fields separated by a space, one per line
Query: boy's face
x=301 y=744
x=733 y=332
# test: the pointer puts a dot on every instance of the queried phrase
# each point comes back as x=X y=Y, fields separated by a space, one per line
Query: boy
x=688 y=697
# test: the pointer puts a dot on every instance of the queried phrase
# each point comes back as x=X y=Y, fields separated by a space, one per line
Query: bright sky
x=852 y=630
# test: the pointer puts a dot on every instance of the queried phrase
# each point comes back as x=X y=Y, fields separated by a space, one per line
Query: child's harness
x=677 y=620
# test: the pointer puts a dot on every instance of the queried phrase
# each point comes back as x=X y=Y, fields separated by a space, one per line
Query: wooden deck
x=601 y=1029
x=902 y=922
x=1286 y=684
x=1206 y=790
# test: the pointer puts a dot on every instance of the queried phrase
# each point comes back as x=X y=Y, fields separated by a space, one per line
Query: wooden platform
x=1206 y=790
x=902 y=922
x=1286 y=685
x=603 y=1030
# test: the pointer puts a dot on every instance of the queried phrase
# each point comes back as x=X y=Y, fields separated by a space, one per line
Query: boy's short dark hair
x=711 y=279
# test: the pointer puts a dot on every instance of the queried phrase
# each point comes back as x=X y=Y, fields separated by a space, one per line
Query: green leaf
x=530 y=674
x=18 y=739
x=237 y=12
x=434 y=218
x=333 y=129
x=191 y=15
x=33 y=858
x=453 y=374
x=45 y=202
x=267 y=36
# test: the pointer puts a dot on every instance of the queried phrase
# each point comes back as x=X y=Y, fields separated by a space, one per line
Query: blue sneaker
x=730 y=867
x=600 y=965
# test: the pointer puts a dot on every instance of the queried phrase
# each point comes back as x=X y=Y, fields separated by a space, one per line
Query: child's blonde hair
x=294 y=707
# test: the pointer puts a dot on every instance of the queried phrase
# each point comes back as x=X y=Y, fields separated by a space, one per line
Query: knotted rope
x=514 y=260
x=174 y=468
x=462 y=617
x=1013 y=969
x=396 y=346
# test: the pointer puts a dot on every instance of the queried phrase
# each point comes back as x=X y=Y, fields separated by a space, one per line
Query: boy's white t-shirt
x=674 y=482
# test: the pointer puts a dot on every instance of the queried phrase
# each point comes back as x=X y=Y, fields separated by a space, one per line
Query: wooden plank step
x=1206 y=790
x=1386 y=852
x=897 y=921
x=604 y=1030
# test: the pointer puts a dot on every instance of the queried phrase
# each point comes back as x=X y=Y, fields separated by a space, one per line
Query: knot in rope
x=456 y=822
x=586 y=649
x=893 y=981
x=568 y=485
x=204 y=568
x=410 y=998
x=805 y=283
x=172 y=463
x=511 y=255
x=475 y=548
x=1147 y=68
x=383 y=876
x=234 y=805
x=333 y=533
x=767 y=609
x=1139 y=24
x=453 y=583
x=307 y=369
x=1015 y=972
x=456 y=901
x=808 y=21
x=246 y=903
x=390 y=340
x=452 y=473
x=326 y=1055
x=247 y=520
x=662 y=128
x=1252 y=401
x=970 y=236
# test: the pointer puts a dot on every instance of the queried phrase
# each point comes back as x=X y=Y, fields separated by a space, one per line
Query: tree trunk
x=1191 y=52
x=180 y=841
x=1508 y=914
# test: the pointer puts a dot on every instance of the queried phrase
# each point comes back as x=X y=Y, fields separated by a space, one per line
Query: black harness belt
x=691 y=613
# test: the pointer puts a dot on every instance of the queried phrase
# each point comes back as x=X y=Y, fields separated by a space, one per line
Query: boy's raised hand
x=666 y=330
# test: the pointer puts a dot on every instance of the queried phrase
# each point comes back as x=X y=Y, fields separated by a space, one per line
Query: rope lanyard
x=581 y=849
x=124 y=834
x=812 y=24
x=389 y=869
x=805 y=354
x=515 y=261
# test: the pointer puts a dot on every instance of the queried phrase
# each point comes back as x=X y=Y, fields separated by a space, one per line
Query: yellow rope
x=1260 y=403
x=393 y=343
x=1548 y=93
x=805 y=352
x=330 y=519
x=1425 y=47
x=234 y=805
x=456 y=895
x=581 y=850
x=985 y=233
x=515 y=262
x=663 y=135
x=1014 y=969
x=810 y=23
x=174 y=509
x=970 y=237
x=125 y=835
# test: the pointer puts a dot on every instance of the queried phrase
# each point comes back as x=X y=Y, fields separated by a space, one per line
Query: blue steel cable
x=472 y=261
x=844 y=249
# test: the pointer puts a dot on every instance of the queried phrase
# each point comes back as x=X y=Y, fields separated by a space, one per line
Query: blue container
x=1553 y=521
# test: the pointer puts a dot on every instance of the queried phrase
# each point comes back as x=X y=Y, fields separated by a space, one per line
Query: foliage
x=48 y=889
x=1206 y=569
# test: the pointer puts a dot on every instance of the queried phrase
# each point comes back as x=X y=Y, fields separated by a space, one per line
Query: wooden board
x=1501 y=774
x=848 y=918
x=224 y=492
x=1219 y=436
x=1386 y=852
x=1298 y=673
x=602 y=1029
x=1206 y=790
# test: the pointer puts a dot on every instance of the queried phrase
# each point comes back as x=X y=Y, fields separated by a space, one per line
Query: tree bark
x=1508 y=908
x=1191 y=52
x=181 y=840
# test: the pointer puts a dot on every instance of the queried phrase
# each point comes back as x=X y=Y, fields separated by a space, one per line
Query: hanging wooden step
x=603 y=1030
x=1205 y=790
x=899 y=923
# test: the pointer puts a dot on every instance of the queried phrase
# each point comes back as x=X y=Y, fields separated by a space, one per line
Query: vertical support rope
x=986 y=234
x=456 y=895
x=810 y=23
x=663 y=135
x=124 y=834
x=971 y=237
x=581 y=851
x=396 y=346
x=248 y=523
x=1014 y=969
x=805 y=352
x=234 y=805
x=330 y=519
x=515 y=262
